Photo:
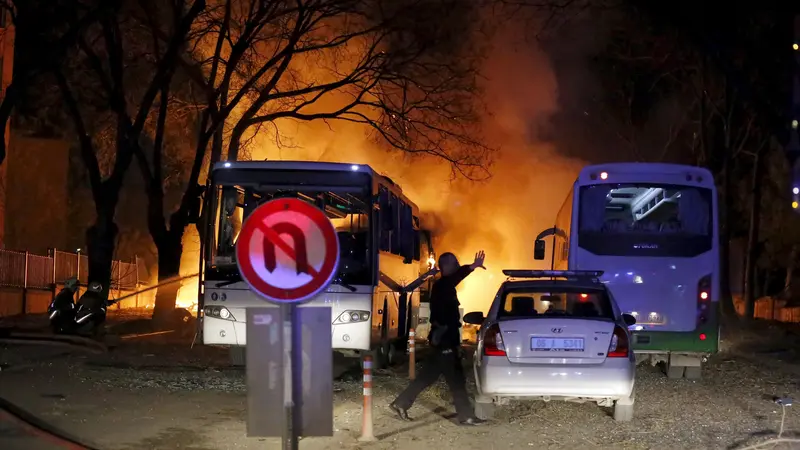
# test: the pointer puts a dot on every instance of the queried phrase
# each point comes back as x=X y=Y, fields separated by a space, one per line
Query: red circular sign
x=287 y=251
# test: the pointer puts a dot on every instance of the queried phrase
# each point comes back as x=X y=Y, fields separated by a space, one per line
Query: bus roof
x=293 y=165
x=314 y=165
x=630 y=171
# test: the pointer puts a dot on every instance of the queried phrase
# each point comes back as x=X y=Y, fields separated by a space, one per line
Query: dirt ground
x=156 y=394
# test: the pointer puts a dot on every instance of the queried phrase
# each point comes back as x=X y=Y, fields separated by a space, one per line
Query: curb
x=41 y=427
x=11 y=336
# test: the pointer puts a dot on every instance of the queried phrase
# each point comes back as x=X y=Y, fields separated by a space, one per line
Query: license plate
x=543 y=344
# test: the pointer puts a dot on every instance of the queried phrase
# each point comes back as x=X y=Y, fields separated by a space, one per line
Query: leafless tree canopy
x=399 y=67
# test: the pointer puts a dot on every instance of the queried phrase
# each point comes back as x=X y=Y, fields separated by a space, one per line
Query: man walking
x=445 y=340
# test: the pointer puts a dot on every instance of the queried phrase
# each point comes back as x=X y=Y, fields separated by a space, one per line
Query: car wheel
x=694 y=373
x=623 y=412
x=238 y=356
x=484 y=411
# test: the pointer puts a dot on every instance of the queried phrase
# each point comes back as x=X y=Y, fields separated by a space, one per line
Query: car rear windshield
x=527 y=302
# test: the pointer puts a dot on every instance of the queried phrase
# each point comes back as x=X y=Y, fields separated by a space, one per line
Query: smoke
x=502 y=215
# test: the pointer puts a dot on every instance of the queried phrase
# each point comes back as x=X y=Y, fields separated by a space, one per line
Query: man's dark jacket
x=445 y=317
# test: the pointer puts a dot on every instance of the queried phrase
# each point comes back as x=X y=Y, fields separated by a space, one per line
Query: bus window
x=693 y=212
x=229 y=223
x=593 y=207
x=666 y=220
x=385 y=216
x=417 y=244
x=396 y=230
x=406 y=233
x=646 y=209
x=349 y=214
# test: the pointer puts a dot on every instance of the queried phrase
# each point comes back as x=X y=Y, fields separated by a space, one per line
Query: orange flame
x=501 y=216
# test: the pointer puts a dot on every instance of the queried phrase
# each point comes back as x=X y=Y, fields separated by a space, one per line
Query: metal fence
x=26 y=270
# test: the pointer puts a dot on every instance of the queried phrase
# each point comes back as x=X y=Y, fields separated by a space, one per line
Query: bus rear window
x=653 y=219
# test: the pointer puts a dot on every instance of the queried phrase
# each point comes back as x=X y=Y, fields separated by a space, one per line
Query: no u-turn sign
x=287 y=251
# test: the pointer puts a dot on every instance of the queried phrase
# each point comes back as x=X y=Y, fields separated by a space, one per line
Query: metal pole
x=119 y=283
x=25 y=287
x=25 y=280
x=52 y=254
x=367 y=433
x=78 y=267
x=55 y=252
x=136 y=286
x=412 y=337
x=290 y=441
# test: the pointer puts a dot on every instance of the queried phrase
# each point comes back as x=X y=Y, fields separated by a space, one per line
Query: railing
x=28 y=271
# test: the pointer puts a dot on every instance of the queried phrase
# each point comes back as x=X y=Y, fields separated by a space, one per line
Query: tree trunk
x=752 y=238
x=100 y=242
x=728 y=308
x=765 y=285
x=790 y=266
x=170 y=250
x=235 y=142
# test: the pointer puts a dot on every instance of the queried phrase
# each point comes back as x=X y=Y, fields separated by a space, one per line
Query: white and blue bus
x=382 y=248
x=652 y=229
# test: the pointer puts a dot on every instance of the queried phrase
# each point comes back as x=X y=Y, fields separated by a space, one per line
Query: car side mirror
x=629 y=319
x=474 y=318
x=538 y=250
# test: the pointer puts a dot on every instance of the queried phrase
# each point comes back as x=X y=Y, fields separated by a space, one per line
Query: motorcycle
x=62 y=309
x=91 y=312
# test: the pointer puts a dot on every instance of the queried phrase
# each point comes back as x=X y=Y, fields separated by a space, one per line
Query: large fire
x=501 y=216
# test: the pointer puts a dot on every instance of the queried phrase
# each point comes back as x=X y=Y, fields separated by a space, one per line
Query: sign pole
x=288 y=252
x=290 y=441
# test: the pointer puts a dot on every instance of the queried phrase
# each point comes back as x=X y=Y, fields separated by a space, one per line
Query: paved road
x=17 y=435
x=147 y=396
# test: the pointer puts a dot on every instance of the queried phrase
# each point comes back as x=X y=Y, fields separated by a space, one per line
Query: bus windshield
x=642 y=219
x=347 y=207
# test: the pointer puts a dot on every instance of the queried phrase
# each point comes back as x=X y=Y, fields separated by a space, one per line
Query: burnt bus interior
x=344 y=196
x=363 y=220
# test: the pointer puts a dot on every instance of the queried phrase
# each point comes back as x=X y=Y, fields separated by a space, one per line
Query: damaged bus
x=374 y=297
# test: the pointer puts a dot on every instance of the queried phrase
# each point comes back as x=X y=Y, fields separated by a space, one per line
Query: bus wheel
x=383 y=356
x=390 y=349
x=238 y=356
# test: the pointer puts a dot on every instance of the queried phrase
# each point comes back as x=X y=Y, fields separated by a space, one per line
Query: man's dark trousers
x=445 y=362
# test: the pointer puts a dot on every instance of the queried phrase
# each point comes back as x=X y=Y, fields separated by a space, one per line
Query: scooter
x=91 y=311
x=62 y=309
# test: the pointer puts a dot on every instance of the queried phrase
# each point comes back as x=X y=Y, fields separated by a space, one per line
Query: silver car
x=554 y=335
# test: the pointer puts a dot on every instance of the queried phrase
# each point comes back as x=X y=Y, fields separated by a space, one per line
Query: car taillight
x=703 y=299
x=493 y=342
x=619 y=344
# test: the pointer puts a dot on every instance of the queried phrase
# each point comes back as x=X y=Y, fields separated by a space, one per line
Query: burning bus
x=373 y=299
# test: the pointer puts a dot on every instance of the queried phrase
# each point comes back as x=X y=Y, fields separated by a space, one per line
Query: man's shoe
x=401 y=413
x=472 y=422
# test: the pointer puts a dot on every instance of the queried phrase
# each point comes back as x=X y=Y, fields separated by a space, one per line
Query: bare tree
x=101 y=87
x=644 y=105
x=405 y=69
x=49 y=28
